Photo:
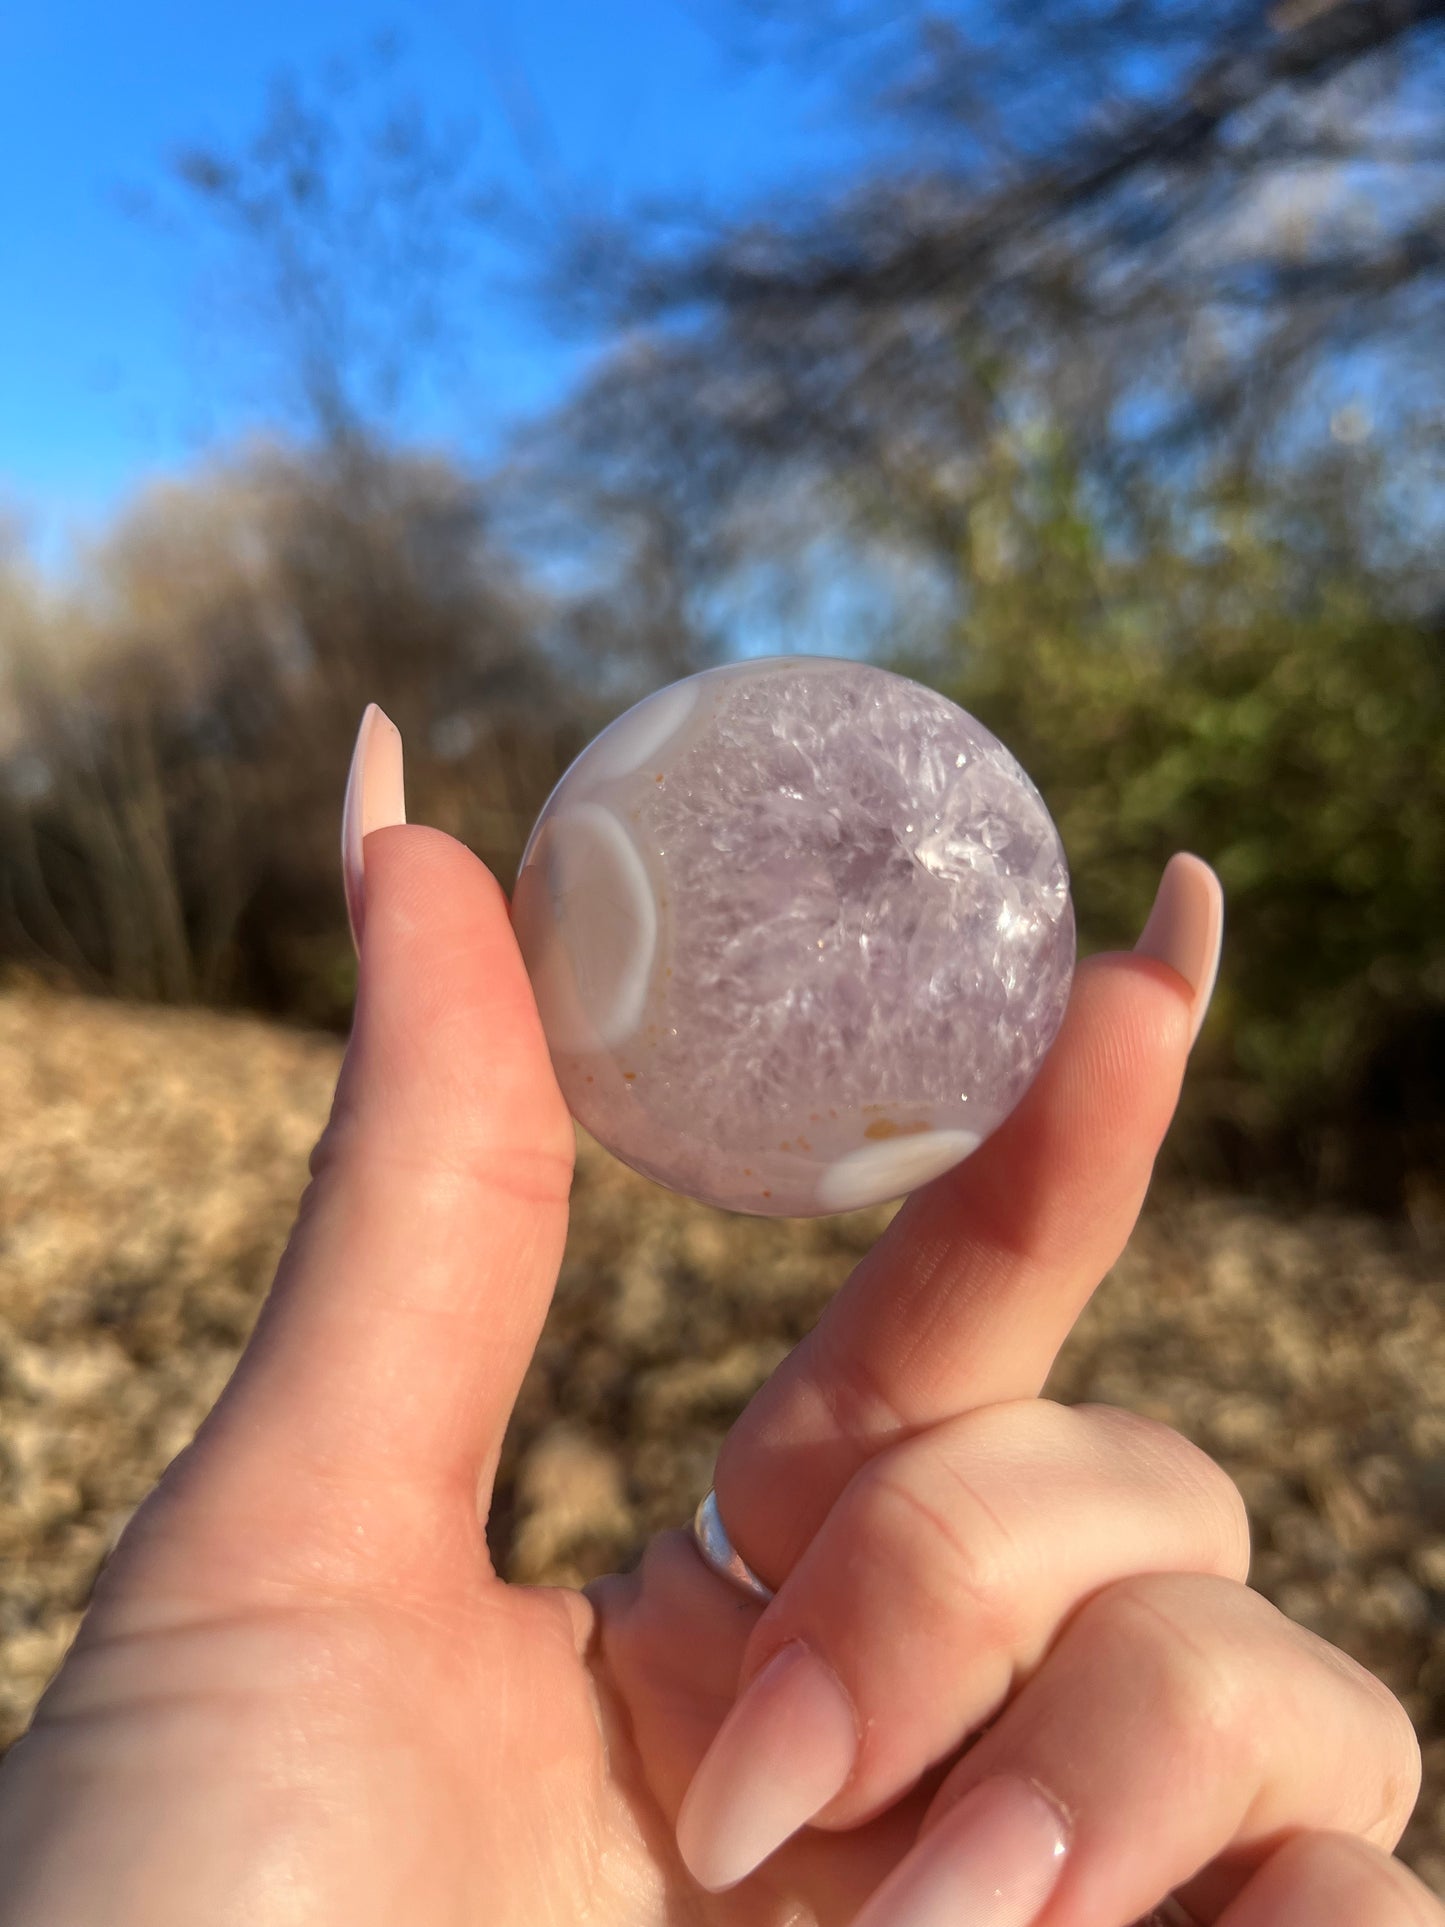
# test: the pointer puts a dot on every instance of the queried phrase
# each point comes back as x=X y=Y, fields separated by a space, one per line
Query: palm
x=439 y=1748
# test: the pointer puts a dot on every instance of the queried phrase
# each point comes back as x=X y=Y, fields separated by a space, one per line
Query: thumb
x=410 y=1298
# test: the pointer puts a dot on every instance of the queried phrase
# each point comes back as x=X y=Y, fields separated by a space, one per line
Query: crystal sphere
x=800 y=933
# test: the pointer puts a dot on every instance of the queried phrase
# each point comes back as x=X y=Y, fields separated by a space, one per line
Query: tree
x=1121 y=343
x=1194 y=235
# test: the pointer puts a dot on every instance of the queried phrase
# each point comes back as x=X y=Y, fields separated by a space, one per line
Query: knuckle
x=1405 y=1775
x=1199 y=1696
x=1191 y=1479
x=1396 y=1748
x=937 y=1528
x=1385 y=1716
x=1199 y=1647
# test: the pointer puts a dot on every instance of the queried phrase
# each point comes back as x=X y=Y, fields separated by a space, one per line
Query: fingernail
x=785 y=1750
x=992 y=1862
x=1186 y=928
x=375 y=800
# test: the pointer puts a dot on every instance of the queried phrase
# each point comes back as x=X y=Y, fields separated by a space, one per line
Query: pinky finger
x=1333 y=1880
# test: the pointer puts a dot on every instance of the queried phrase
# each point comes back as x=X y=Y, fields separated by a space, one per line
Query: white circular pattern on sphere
x=597 y=883
x=624 y=746
x=800 y=932
x=880 y=1171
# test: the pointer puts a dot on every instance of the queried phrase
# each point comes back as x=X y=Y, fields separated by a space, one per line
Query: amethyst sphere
x=800 y=933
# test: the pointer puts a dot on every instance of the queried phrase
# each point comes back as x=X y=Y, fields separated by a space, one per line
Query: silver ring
x=710 y=1537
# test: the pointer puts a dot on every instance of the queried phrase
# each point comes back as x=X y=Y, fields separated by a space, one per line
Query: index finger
x=969 y=1294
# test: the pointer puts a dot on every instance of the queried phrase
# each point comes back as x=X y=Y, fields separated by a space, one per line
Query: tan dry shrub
x=169 y=826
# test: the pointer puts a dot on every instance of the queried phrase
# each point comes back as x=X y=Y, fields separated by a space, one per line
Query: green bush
x=1238 y=695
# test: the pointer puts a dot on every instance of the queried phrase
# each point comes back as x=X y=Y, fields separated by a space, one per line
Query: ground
x=149 y=1165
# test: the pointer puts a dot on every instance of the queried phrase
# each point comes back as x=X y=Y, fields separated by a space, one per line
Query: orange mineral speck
x=886 y=1127
x=630 y=1076
x=767 y=1194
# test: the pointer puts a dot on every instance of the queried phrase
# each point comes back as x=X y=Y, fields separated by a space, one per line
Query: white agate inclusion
x=887 y=1170
x=606 y=918
x=624 y=746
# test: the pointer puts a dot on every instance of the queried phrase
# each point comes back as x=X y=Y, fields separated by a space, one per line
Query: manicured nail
x=992 y=1862
x=375 y=800
x=1186 y=928
x=785 y=1750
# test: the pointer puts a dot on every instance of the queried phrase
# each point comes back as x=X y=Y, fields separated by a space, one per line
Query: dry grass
x=151 y=1161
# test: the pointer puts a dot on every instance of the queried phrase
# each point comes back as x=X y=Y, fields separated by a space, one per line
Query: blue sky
x=109 y=372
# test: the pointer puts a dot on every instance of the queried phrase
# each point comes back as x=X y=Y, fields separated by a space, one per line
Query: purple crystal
x=800 y=933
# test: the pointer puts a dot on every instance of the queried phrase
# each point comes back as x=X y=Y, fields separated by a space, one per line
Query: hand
x=302 y=1696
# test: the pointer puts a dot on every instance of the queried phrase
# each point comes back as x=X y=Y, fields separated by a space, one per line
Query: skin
x=302 y=1695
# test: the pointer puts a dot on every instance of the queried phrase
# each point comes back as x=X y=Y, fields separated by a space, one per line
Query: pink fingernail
x=1186 y=928
x=375 y=800
x=785 y=1750
x=991 y=1862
